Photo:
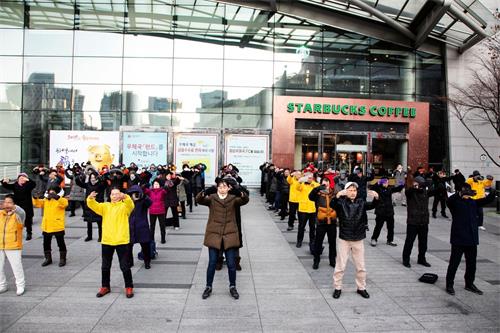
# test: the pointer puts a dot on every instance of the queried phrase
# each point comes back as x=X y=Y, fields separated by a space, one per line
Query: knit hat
x=383 y=181
x=349 y=184
x=475 y=173
x=22 y=174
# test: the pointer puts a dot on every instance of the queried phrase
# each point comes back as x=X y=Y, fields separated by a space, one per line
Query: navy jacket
x=139 y=225
x=464 y=219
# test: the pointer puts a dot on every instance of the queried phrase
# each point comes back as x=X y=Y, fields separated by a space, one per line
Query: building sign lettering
x=354 y=109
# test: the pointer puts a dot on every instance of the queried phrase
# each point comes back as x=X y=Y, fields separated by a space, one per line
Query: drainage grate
x=162 y=285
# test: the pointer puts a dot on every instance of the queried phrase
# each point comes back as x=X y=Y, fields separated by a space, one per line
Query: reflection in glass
x=97 y=97
x=148 y=98
x=46 y=96
x=191 y=49
x=35 y=150
x=248 y=100
x=247 y=121
x=10 y=96
x=11 y=69
x=95 y=15
x=39 y=123
x=94 y=43
x=10 y=124
x=301 y=76
x=48 y=42
x=202 y=120
x=47 y=70
x=147 y=71
x=11 y=41
x=196 y=99
x=146 y=119
x=11 y=150
x=346 y=77
x=198 y=72
x=238 y=52
x=148 y=46
x=247 y=73
x=96 y=121
x=97 y=70
x=392 y=80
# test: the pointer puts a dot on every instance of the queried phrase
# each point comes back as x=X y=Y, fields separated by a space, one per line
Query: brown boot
x=62 y=260
x=238 y=266
x=218 y=265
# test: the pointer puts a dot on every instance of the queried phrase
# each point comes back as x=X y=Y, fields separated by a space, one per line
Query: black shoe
x=473 y=289
x=147 y=265
x=316 y=265
x=434 y=215
x=282 y=218
x=163 y=241
x=88 y=239
x=363 y=293
x=99 y=240
x=72 y=214
x=206 y=292
x=406 y=264
x=336 y=293
x=450 y=290
x=332 y=263
x=299 y=244
x=392 y=244
x=289 y=229
x=424 y=263
x=444 y=215
x=234 y=292
x=28 y=237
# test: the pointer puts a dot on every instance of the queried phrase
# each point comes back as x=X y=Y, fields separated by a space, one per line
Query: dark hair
x=325 y=178
x=11 y=197
x=54 y=187
x=222 y=180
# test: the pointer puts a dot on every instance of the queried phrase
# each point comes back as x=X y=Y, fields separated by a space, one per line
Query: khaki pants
x=357 y=249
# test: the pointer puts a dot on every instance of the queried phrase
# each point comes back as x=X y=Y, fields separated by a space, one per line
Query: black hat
x=467 y=190
x=420 y=180
x=428 y=278
x=475 y=173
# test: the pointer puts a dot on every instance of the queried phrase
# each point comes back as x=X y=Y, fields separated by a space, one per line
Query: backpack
x=154 y=253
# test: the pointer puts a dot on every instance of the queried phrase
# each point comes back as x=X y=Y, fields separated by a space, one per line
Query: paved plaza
x=279 y=290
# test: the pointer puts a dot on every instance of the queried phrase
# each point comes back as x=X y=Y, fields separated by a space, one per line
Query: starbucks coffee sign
x=353 y=109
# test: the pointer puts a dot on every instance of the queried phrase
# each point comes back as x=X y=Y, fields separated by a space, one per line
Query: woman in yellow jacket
x=115 y=237
x=11 y=242
x=307 y=209
x=293 y=199
x=54 y=208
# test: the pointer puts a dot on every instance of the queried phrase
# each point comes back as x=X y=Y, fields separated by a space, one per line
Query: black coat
x=22 y=195
x=362 y=183
x=171 y=198
x=138 y=220
x=417 y=201
x=352 y=217
x=464 y=220
x=385 y=206
x=458 y=180
x=88 y=214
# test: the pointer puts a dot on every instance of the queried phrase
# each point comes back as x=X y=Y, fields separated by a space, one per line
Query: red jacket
x=157 y=196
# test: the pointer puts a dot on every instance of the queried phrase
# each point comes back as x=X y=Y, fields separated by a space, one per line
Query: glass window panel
x=191 y=49
x=47 y=96
x=156 y=17
x=97 y=121
x=146 y=119
x=39 y=123
x=11 y=15
x=11 y=150
x=10 y=124
x=48 y=15
x=196 y=99
x=147 y=98
x=391 y=58
x=148 y=46
x=92 y=43
x=248 y=73
x=11 y=69
x=97 y=97
x=392 y=80
x=346 y=78
x=198 y=71
x=293 y=75
x=430 y=82
x=248 y=100
x=237 y=52
x=48 y=42
x=102 y=15
x=147 y=71
x=11 y=41
x=247 y=121
x=97 y=70
x=47 y=69
x=189 y=120
x=393 y=96
x=295 y=53
x=10 y=96
x=35 y=150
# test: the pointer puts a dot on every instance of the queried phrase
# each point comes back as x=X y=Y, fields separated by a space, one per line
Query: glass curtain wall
x=97 y=65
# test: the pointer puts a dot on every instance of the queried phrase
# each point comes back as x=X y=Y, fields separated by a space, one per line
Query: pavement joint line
x=179 y=248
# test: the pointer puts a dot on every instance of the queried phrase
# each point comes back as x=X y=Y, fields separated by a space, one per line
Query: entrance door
x=306 y=148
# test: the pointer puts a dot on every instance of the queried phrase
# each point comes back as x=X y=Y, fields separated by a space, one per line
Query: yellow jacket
x=54 y=212
x=115 y=215
x=478 y=186
x=11 y=229
x=306 y=205
x=294 y=194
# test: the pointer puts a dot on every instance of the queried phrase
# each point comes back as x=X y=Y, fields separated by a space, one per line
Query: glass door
x=306 y=148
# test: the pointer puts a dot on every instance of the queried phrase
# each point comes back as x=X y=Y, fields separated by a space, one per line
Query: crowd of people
x=124 y=202
x=327 y=200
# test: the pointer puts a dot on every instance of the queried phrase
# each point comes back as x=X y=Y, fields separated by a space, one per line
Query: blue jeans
x=213 y=254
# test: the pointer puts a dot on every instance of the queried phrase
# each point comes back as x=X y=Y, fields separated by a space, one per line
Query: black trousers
x=152 y=225
x=123 y=253
x=284 y=204
x=480 y=216
x=146 y=252
x=294 y=206
x=175 y=215
x=99 y=229
x=331 y=231
x=189 y=200
x=412 y=231
x=439 y=200
x=303 y=219
x=183 y=209
x=28 y=223
x=72 y=206
x=470 y=264
x=47 y=241
x=379 y=223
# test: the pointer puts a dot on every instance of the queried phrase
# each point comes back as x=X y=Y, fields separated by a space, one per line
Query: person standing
x=22 y=189
x=92 y=182
x=285 y=194
x=307 y=209
x=221 y=233
x=458 y=180
x=417 y=221
x=139 y=226
x=157 y=210
x=115 y=237
x=182 y=190
x=77 y=193
x=171 y=198
x=11 y=242
x=187 y=174
x=440 y=184
x=478 y=184
x=293 y=201
x=400 y=179
x=326 y=218
x=464 y=236
x=384 y=212
x=351 y=213
x=54 y=210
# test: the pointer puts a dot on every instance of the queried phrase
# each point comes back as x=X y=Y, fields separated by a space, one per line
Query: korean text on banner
x=247 y=153
x=197 y=148
x=144 y=148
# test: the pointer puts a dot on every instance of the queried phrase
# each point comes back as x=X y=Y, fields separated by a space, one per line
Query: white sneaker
x=4 y=289
x=20 y=291
x=373 y=242
x=482 y=228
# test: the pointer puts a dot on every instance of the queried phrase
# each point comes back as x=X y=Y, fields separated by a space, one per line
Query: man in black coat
x=439 y=181
x=464 y=237
x=362 y=181
x=458 y=180
x=22 y=189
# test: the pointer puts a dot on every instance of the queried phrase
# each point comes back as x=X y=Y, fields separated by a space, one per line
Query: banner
x=144 y=148
x=247 y=153
x=197 y=148
x=70 y=147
